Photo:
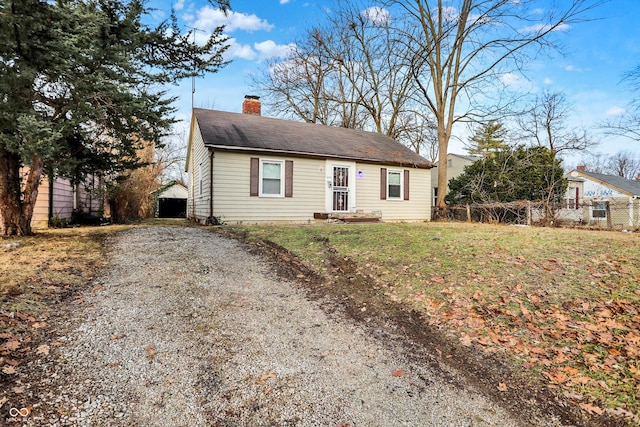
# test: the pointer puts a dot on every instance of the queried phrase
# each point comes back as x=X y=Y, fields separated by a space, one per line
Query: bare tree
x=460 y=51
x=295 y=87
x=350 y=72
x=625 y=164
x=170 y=157
x=594 y=162
x=546 y=125
x=628 y=124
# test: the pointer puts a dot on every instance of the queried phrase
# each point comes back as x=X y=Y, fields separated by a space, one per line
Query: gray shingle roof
x=245 y=132
x=626 y=185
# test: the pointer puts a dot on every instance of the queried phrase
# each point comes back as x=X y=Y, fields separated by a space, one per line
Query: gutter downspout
x=212 y=154
x=50 y=210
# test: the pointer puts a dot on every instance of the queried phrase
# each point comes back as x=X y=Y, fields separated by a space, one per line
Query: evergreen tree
x=488 y=139
x=521 y=173
x=79 y=91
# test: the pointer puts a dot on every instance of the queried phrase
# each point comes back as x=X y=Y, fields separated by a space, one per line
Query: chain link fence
x=592 y=214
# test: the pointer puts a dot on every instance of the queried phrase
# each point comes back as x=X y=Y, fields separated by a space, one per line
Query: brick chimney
x=581 y=168
x=251 y=105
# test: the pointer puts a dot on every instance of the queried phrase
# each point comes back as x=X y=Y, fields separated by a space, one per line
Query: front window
x=394 y=184
x=599 y=209
x=571 y=199
x=271 y=178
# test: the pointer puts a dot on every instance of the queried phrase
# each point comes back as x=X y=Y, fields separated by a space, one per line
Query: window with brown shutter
x=266 y=179
x=383 y=183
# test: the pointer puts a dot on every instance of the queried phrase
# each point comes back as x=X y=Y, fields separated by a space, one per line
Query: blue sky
x=598 y=54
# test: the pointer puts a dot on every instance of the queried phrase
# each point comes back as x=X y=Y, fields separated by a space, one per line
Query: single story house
x=609 y=201
x=170 y=201
x=58 y=200
x=455 y=167
x=245 y=168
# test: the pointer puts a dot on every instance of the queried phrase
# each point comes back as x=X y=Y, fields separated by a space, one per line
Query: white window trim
x=593 y=205
x=401 y=173
x=260 y=177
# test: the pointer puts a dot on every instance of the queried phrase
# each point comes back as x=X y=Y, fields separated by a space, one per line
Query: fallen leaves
x=151 y=352
x=262 y=380
x=43 y=349
x=11 y=345
x=592 y=409
x=9 y=370
x=398 y=373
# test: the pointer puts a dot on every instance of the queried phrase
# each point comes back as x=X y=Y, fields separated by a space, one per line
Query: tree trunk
x=443 y=143
x=16 y=203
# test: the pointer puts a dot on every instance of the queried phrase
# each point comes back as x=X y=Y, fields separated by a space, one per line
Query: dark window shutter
x=288 y=178
x=406 y=185
x=383 y=183
x=254 y=177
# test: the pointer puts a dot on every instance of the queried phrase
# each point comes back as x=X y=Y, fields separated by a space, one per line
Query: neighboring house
x=58 y=200
x=455 y=167
x=170 y=201
x=245 y=168
x=604 y=200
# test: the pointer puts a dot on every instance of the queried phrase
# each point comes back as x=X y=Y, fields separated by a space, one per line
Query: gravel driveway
x=186 y=328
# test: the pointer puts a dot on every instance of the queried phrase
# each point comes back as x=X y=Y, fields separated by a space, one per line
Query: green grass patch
x=563 y=302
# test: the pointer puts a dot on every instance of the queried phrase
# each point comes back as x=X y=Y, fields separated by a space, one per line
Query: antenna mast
x=193 y=78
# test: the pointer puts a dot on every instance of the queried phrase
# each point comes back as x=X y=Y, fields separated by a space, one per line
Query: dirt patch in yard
x=364 y=301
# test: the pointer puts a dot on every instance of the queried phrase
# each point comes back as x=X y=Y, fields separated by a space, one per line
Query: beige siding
x=198 y=202
x=89 y=198
x=455 y=168
x=417 y=208
x=233 y=204
x=624 y=212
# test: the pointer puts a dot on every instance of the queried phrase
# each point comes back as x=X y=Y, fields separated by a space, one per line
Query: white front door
x=340 y=187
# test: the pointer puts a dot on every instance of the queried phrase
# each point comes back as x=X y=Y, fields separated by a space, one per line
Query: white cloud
x=179 y=5
x=284 y=1
x=516 y=82
x=449 y=13
x=547 y=81
x=541 y=28
x=210 y=18
x=615 y=111
x=239 y=50
x=377 y=15
x=573 y=69
x=269 y=49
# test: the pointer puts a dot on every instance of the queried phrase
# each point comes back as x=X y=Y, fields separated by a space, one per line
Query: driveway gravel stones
x=187 y=328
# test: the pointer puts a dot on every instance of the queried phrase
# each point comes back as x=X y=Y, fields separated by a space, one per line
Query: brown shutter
x=288 y=178
x=254 y=175
x=406 y=185
x=383 y=183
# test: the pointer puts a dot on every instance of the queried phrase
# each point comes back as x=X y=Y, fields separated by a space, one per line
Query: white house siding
x=417 y=208
x=176 y=191
x=198 y=201
x=621 y=205
x=233 y=204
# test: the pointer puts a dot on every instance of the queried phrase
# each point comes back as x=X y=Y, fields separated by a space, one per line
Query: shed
x=171 y=201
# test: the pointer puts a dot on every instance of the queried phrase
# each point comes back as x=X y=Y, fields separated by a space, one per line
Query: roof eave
x=316 y=155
